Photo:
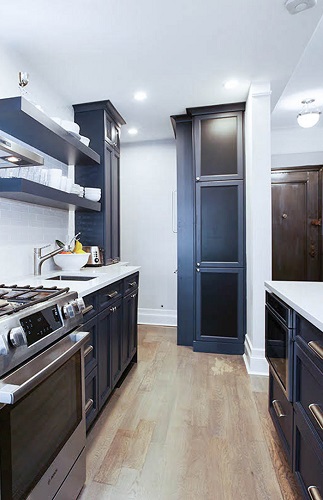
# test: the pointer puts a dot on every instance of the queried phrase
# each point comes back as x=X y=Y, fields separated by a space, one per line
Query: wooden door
x=295 y=225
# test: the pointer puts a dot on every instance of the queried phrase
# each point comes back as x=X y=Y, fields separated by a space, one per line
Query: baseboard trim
x=164 y=317
x=254 y=359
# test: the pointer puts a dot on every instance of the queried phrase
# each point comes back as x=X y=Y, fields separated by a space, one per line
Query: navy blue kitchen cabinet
x=101 y=123
x=130 y=313
x=299 y=423
x=112 y=345
x=211 y=228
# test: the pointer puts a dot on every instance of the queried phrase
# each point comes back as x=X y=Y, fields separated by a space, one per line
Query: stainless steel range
x=42 y=418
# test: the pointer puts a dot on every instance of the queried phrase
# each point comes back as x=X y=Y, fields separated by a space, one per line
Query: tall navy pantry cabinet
x=101 y=123
x=211 y=228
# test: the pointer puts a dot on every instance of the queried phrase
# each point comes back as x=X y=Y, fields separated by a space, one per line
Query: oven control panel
x=37 y=326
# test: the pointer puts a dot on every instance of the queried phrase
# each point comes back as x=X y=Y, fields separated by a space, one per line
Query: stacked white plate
x=93 y=194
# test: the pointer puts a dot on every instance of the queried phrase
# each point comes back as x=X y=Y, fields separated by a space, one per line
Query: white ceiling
x=179 y=51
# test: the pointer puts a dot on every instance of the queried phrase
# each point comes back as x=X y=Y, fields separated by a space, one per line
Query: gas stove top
x=32 y=319
x=14 y=298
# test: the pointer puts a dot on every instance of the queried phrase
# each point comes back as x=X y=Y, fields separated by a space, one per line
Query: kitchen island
x=294 y=349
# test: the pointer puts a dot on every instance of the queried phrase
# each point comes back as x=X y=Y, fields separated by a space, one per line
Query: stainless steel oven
x=42 y=416
x=280 y=341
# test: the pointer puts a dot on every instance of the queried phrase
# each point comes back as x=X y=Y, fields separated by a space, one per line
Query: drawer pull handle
x=113 y=309
x=317 y=414
x=88 y=350
x=317 y=348
x=87 y=309
x=133 y=283
x=113 y=294
x=278 y=409
x=133 y=296
x=314 y=493
x=88 y=406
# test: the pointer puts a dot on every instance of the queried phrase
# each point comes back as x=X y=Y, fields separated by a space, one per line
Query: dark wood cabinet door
x=296 y=229
x=129 y=335
x=218 y=146
x=115 y=341
x=219 y=308
x=91 y=397
x=219 y=224
x=104 y=369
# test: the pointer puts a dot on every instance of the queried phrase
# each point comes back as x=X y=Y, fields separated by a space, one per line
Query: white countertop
x=305 y=297
x=103 y=276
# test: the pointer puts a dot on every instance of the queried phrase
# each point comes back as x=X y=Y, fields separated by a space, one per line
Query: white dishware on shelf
x=44 y=176
x=81 y=193
x=75 y=189
x=93 y=194
x=70 y=126
x=85 y=140
x=71 y=261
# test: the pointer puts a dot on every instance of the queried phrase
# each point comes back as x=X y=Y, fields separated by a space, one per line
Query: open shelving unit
x=32 y=192
x=21 y=119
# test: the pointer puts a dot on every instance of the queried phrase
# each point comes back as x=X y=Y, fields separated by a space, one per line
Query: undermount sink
x=63 y=277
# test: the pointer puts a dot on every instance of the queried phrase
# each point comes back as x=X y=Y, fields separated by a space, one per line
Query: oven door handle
x=16 y=385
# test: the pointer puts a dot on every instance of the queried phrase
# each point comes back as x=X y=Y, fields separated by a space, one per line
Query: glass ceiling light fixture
x=140 y=95
x=230 y=84
x=309 y=116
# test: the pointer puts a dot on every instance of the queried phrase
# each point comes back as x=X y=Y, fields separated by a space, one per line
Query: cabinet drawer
x=312 y=336
x=281 y=411
x=91 y=346
x=90 y=300
x=308 y=459
x=309 y=389
x=91 y=397
x=109 y=294
x=130 y=283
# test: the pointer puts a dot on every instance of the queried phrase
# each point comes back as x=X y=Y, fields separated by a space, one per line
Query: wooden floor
x=186 y=426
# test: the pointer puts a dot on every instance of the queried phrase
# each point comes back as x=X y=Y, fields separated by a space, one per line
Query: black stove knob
x=17 y=337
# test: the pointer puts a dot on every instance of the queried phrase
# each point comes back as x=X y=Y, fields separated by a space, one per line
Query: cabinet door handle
x=133 y=283
x=88 y=350
x=317 y=348
x=88 y=405
x=112 y=309
x=278 y=409
x=314 y=493
x=317 y=414
x=133 y=296
x=113 y=294
x=87 y=309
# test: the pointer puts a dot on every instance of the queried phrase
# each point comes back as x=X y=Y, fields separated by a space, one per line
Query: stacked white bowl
x=93 y=194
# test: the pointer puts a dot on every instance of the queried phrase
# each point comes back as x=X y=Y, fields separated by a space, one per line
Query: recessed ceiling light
x=140 y=95
x=231 y=84
x=13 y=159
x=133 y=131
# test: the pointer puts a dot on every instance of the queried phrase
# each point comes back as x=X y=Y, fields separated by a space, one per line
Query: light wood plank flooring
x=186 y=426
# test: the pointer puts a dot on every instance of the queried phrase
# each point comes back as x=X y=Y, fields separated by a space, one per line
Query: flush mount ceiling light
x=231 y=84
x=309 y=116
x=133 y=131
x=140 y=95
x=296 y=6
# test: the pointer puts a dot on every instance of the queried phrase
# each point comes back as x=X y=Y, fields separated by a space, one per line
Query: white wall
x=148 y=179
x=297 y=147
x=23 y=225
x=258 y=222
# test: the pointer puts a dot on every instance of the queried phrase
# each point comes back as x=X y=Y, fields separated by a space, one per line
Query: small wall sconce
x=309 y=116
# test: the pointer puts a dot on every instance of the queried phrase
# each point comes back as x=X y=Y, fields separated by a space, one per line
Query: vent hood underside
x=15 y=155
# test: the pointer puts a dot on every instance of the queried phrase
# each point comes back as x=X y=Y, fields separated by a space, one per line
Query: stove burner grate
x=14 y=298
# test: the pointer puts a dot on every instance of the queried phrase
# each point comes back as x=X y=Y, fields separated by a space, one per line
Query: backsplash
x=24 y=226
